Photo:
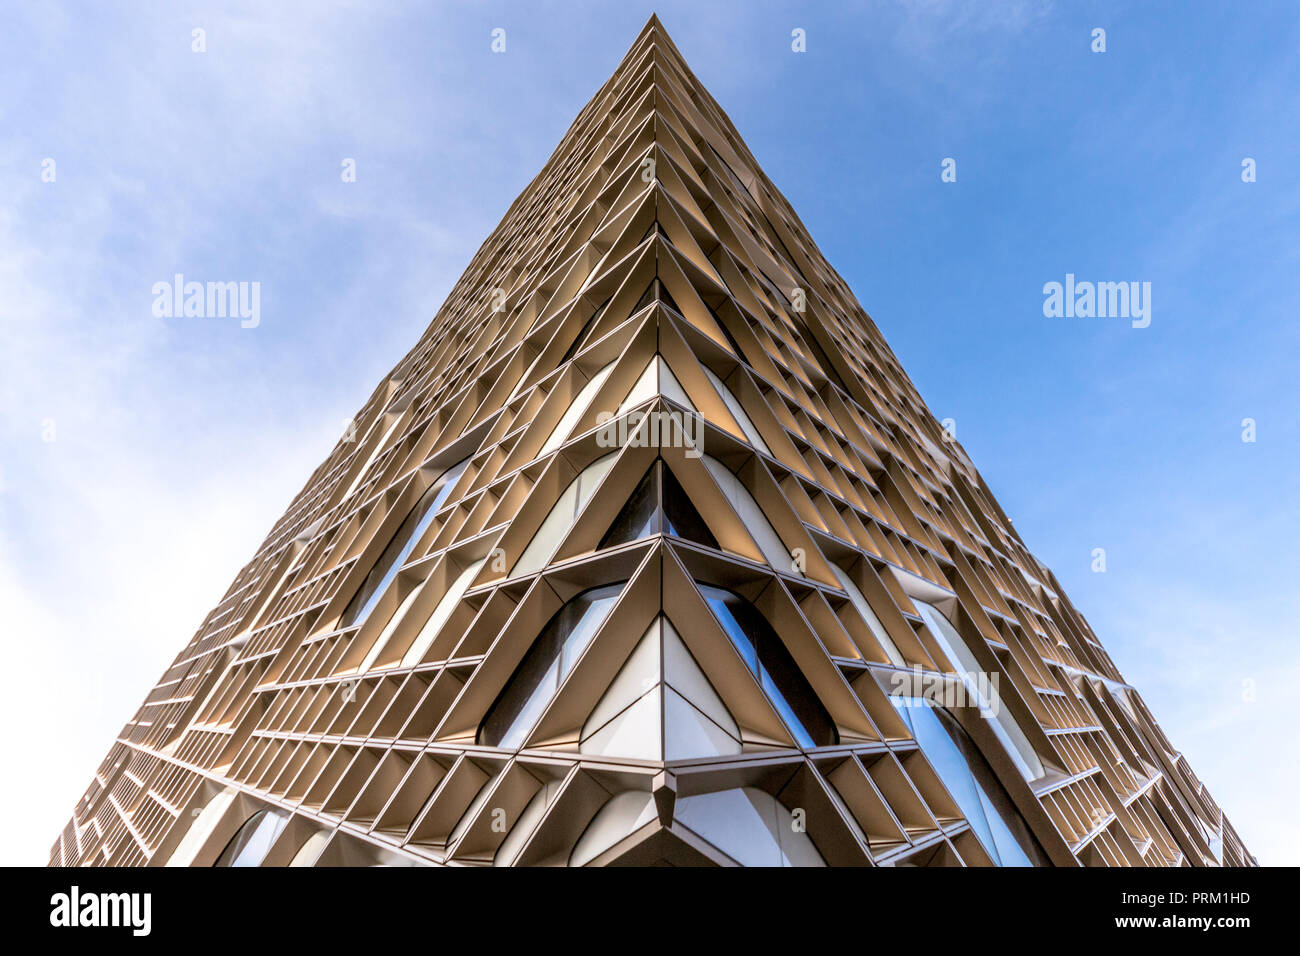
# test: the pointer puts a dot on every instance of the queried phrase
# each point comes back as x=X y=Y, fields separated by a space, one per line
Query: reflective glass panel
x=544 y=667
x=249 y=846
x=399 y=549
x=767 y=658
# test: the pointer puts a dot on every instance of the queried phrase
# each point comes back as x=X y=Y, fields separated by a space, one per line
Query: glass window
x=416 y=651
x=580 y=339
x=202 y=828
x=544 y=667
x=562 y=517
x=972 y=783
x=658 y=505
x=640 y=516
x=750 y=826
x=656 y=290
x=680 y=517
x=574 y=411
x=249 y=846
x=859 y=601
x=310 y=851
x=399 y=549
x=375 y=449
x=657 y=379
x=751 y=515
x=645 y=388
x=1004 y=726
x=621 y=816
x=746 y=824
x=738 y=412
x=768 y=660
x=446 y=604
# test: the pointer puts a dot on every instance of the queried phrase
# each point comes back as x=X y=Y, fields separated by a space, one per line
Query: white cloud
x=175 y=446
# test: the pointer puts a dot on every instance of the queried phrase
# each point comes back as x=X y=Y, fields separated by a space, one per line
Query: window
x=400 y=548
x=311 y=849
x=1000 y=720
x=750 y=826
x=380 y=443
x=249 y=846
x=446 y=604
x=746 y=824
x=621 y=816
x=645 y=388
x=751 y=515
x=658 y=505
x=738 y=412
x=657 y=379
x=415 y=653
x=878 y=631
x=544 y=667
x=972 y=783
x=580 y=339
x=202 y=827
x=574 y=411
x=768 y=660
x=656 y=290
x=562 y=517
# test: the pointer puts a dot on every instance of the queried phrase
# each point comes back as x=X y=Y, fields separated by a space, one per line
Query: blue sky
x=143 y=459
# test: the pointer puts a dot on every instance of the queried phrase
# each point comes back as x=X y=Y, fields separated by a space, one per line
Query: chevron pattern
x=646 y=554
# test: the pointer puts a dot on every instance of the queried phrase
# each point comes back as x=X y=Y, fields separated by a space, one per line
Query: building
x=648 y=552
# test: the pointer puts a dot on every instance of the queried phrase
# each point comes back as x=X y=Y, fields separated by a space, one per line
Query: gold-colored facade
x=648 y=552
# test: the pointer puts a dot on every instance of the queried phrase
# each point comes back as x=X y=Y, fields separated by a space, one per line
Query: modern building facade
x=648 y=552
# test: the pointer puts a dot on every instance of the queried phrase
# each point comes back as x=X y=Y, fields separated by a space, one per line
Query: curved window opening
x=1003 y=725
x=381 y=651
x=859 y=601
x=545 y=666
x=621 y=816
x=749 y=825
x=562 y=516
x=752 y=517
x=400 y=547
x=656 y=290
x=202 y=828
x=379 y=446
x=643 y=389
x=441 y=612
x=658 y=505
x=656 y=379
x=249 y=845
x=765 y=654
x=746 y=824
x=974 y=786
x=311 y=849
x=574 y=411
x=737 y=412
x=581 y=338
